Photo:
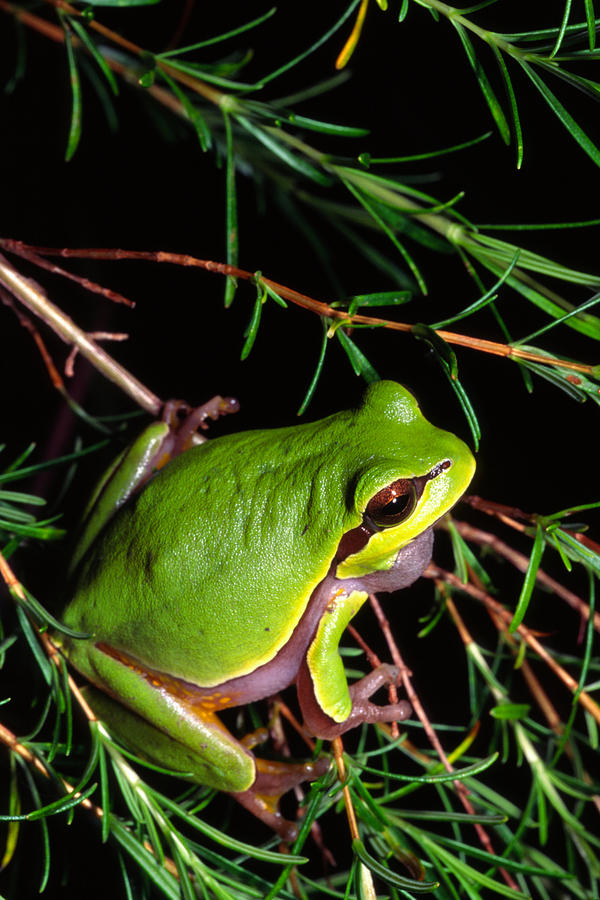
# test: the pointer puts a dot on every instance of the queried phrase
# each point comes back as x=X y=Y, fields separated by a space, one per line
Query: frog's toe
x=363 y=710
x=273 y=780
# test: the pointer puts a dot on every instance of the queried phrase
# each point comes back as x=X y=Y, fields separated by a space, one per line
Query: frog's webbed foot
x=273 y=780
x=360 y=692
x=363 y=710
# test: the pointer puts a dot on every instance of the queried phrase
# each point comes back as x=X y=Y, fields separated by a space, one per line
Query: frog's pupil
x=397 y=505
x=393 y=504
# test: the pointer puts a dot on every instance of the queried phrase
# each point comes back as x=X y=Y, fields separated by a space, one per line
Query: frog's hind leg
x=197 y=748
x=190 y=738
x=210 y=755
x=273 y=780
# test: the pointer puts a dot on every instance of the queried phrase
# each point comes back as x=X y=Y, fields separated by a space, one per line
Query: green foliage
x=535 y=50
x=448 y=823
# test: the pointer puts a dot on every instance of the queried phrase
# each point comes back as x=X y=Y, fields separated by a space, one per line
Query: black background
x=412 y=86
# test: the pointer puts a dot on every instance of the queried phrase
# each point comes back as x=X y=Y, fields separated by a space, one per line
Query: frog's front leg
x=362 y=710
x=329 y=706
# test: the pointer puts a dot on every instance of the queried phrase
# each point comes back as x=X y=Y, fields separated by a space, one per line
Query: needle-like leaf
x=484 y=83
x=575 y=130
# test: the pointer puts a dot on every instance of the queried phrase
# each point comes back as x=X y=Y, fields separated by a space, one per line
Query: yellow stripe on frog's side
x=324 y=662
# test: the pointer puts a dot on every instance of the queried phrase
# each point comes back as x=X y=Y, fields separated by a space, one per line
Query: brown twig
x=11 y=741
x=26 y=322
x=338 y=754
x=96 y=336
x=374 y=662
x=422 y=715
x=413 y=697
x=539 y=694
x=31 y=294
x=510 y=514
x=6 y=736
x=521 y=562
x=27 y=253
x=55 y=33
x=588 y=703
x=223 y=100
x=316 y=306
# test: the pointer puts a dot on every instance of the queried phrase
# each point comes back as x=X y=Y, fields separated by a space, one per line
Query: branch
x=31 y=294
x=588 y=703
x=304 y=301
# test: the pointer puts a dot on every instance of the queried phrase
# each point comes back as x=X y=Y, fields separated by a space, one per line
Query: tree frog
x=234 y=571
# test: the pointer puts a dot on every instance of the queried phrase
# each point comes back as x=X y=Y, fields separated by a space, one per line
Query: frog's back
x=208 y=570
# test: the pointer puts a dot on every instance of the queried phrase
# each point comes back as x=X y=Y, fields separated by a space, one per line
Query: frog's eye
x=393 y=504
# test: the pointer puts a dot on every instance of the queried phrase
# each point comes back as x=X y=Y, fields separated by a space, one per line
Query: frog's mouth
x=409 y=564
